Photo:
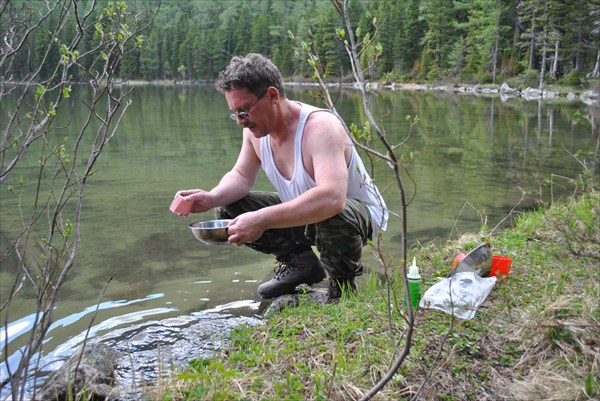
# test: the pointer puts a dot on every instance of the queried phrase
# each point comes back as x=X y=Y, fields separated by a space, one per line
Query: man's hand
x=245 y=228
x=203 y=200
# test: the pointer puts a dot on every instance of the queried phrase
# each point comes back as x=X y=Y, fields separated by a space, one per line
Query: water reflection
x=143 y=340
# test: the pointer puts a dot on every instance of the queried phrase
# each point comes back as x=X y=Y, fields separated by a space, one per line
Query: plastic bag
x=459 y=295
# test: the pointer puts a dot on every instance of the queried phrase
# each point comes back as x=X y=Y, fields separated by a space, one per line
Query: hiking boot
x=305 y=268
x=338 y=287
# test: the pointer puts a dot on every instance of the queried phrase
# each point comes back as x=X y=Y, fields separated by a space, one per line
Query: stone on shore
x=88 y=371
x=315 y=295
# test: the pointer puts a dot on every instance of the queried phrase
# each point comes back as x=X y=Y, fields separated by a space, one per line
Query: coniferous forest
x=475 y=41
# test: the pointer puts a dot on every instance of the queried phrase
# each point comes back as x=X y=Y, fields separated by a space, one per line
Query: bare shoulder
x=250 y=143
x=325 y=137
x=326 y=124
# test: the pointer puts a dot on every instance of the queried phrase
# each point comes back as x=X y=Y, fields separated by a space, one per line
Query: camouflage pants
x=339 y=239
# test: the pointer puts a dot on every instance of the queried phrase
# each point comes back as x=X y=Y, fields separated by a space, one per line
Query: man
x=324 y=194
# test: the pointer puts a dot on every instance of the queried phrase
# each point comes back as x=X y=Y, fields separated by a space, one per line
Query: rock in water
x=88 y=371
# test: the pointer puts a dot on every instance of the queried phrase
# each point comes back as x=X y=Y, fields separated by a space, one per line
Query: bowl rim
x=194 y=226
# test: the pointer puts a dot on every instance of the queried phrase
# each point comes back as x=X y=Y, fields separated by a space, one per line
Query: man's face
x=246 y=107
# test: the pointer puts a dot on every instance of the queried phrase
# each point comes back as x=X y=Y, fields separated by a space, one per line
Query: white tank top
x=360 y=186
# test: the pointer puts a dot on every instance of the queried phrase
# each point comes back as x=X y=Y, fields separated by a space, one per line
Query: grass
x=536 y=337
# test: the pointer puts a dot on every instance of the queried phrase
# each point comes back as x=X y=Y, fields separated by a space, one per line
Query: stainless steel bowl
x=479 y=260
x=212 y=232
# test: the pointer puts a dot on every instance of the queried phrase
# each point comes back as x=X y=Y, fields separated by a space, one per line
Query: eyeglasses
x=244 y=115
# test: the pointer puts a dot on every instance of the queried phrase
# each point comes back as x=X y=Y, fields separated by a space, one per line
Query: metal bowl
x=479 y=260
x=212 y=232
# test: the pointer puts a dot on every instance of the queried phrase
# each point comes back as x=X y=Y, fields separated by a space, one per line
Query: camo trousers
x=339 y=239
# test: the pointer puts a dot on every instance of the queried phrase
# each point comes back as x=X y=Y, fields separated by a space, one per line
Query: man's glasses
x=244 y=115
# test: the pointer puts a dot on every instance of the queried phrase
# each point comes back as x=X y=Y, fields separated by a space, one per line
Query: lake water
x=475 y=157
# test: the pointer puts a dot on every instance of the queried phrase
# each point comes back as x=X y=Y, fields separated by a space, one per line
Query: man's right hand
x=202 y=200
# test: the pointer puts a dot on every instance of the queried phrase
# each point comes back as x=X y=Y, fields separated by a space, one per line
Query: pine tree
x=440 y=16
x=392 y=25
x=409 y=42
x=327 y=46
x=531 y=17
x=150 y=64
x=484 y=34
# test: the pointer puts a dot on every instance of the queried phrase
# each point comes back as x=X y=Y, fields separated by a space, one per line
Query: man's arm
x=233 y=186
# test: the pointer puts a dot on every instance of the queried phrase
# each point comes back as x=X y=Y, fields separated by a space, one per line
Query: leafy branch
x=357 y=46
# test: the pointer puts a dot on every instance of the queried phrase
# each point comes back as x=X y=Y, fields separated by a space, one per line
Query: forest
x=470 y=41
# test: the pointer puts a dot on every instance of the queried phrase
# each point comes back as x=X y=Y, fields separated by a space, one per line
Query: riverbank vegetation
x=529 y=43
x=534 y=338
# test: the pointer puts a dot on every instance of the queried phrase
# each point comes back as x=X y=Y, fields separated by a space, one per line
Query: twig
x=511 y=211
x=331 y=381
x=89 y=328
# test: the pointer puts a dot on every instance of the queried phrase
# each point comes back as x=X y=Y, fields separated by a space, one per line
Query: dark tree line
x=483 y=41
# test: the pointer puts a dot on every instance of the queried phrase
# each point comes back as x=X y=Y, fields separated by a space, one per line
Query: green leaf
x=39 y=92
x=110 y=11
x=138 y=41
x=68 y=229
x=589 y=385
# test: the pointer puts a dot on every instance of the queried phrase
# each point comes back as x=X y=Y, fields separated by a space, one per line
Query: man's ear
x=273 y=93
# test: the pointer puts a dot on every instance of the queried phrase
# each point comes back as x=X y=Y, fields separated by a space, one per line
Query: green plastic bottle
x=414 y=283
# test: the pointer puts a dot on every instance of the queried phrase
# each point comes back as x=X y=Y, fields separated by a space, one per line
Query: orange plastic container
x=500 y=267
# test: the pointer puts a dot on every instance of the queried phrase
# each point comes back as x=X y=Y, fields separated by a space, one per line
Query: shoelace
x=284 y=268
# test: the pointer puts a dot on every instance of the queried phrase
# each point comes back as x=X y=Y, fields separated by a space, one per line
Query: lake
x=476 y=158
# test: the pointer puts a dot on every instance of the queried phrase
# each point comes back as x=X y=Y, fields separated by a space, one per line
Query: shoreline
x=590 y=97
x=505 y=92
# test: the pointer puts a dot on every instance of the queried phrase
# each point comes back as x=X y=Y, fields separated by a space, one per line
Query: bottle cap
x=413 y=272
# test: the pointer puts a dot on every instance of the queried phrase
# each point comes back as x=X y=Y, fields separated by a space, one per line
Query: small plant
x=574 y=78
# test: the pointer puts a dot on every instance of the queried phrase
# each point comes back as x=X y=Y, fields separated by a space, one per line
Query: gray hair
x=254 y=72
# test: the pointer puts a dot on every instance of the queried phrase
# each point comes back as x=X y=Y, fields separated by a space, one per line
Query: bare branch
x=47 y=243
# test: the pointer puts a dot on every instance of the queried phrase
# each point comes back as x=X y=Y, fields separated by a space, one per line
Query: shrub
x=530 y=78
x=574 y=78
x=510 y=68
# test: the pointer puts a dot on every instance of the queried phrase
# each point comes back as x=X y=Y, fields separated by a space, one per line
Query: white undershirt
x=360 y=186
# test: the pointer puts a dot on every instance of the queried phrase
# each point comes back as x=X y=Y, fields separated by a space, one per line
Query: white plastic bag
x=459 y=295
